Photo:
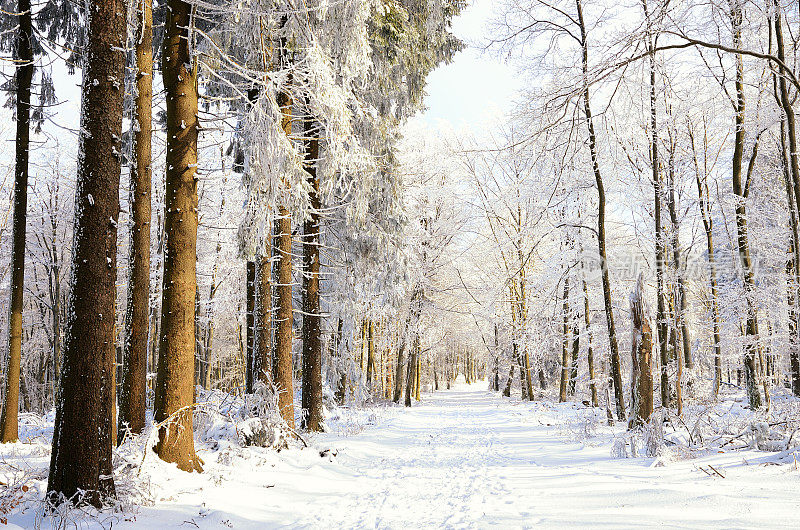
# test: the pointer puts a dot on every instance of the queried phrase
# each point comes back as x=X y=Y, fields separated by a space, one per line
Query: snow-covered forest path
x=466 y=458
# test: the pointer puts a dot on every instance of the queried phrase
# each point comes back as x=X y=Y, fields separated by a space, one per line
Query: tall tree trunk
x=398 y=377
x=507 y=389
x=174 y=392
x=789 y=132
x=24 y=75
x=661 y=318
x=312 y=322
x=80 y=464
x=418 y=374
x=250 y=325
x=284 y=314
x=793 y=274
x=751 y=329
x=369 y=328
x=616 y=365
x=522 y=313
x=411 y=372
x=590 y=349
x=262 y=319
x=562 y=389
x=680 y=288
x=403 y=358
x=705 y=211
x=341 y=390
x=133 y=393
x=573 y=370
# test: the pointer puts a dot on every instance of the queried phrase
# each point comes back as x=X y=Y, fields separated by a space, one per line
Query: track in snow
x=466 y=458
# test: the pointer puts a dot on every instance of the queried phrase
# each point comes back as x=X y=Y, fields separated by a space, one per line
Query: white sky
x=476 y=88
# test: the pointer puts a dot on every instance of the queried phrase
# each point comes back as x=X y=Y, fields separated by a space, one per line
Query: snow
x=463 y=458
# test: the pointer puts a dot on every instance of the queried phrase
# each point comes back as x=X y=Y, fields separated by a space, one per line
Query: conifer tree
x=23 y=78
x=132 y=402
x=175 y=376
x=80 y=465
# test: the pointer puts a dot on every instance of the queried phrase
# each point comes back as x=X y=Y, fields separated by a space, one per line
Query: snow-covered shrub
x=646 y=440
x=249 y=420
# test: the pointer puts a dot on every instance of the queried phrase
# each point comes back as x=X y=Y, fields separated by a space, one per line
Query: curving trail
x=466 y=458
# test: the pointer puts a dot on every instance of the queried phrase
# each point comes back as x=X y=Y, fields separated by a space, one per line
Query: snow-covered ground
x=464 y=458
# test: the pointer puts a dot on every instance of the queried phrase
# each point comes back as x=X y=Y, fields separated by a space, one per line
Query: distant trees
x=660 y=130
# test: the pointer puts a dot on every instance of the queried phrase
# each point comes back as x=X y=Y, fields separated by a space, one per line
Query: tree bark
x=262 y=316
x=590 y=350
x=250 y=324
x=573 y=370
x=284 y=314
x=642 y=348
x=398 y=377
x=174 y=389
x=341 y=390
x=680 y=291
x=312 y=322
x=616 y=365
x=369 y=330
x=411 y=375
x=133 y=393
x=80 y=464
x=9 y=424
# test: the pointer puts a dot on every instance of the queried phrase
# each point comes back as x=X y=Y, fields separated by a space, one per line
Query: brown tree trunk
x=616 y=365
x=9 y=419
x=80 y=464
x=398 y=377
x=522 y=314
x=262 y=316
x=341 y=390
x=250 y=325
x=642 y=349
x=411 y=375
x=370 y=353
x=418 y=374
x=312 y=322
x=284 y=315
x=507 y=389
x=133 y=392
x=174 y=391
x=403 y=358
